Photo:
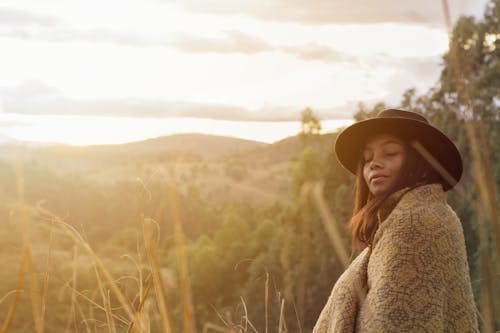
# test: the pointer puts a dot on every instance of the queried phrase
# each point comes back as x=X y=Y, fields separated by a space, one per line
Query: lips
x=377 y=178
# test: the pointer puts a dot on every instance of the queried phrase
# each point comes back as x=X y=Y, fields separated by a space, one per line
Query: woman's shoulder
x=423 y=211
x=423 y=196
x=426 y=200
x=419 y=261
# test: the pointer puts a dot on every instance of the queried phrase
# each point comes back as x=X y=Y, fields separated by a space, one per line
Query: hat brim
x=350 y=142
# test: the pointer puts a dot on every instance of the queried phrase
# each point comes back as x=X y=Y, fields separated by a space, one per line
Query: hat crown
x=411 y=126
x=397 y=113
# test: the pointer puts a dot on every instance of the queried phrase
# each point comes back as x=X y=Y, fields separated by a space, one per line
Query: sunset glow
x=65 y=60
x=90 y=130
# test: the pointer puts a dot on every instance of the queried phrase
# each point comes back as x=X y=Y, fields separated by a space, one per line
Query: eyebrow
x=386 y=142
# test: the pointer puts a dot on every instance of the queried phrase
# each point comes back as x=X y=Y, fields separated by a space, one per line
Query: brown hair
x=364 y=223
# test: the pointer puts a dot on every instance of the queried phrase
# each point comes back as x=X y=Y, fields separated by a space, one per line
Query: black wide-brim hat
x=409 y=126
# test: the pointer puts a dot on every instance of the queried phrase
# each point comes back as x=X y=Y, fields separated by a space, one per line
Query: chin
x=379 y=191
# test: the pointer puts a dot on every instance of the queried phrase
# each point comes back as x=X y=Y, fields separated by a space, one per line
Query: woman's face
x=383 y=159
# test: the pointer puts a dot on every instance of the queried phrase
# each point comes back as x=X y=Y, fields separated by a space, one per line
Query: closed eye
x=367 y=159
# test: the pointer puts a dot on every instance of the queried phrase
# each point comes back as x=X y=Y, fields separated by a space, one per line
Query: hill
x=285 y=150
x=199 y=144
x=224 y=169
x=89 y=158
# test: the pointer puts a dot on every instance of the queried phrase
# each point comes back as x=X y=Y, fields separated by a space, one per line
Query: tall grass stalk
x=331 y=224
x=34 y=289
x=17 y=292
x=266 y=302
x=434 y=163
x=281 y=322
x=45 y=288
x=305 y=252
x=8 y=294
x=34 y=292
x=487 y=315
x=106 y=302
x=80 y=241
x=189 y=324
x=92 y=304
x=161 y=295
x=246 y=320
x=483 y=176
x=72 y=315
x=216 y=328
x=87 y=327
x=140 y=316
x=139 y=271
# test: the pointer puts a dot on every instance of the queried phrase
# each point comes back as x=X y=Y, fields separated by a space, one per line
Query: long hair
x=364 y=223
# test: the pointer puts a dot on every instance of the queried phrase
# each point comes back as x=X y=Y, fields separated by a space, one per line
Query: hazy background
x=167 y=166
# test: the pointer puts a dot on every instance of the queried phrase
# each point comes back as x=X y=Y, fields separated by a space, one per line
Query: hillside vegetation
x=222 y=168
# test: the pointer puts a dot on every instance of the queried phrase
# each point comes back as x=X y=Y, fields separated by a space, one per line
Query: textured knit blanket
x=415 y=278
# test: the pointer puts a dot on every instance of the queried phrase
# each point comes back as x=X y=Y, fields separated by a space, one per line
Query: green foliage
x=364 y=113
x=310 y=124
x=235 y=170
x=308 y=168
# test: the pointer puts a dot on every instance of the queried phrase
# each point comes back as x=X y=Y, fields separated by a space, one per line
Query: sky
x=90 y=72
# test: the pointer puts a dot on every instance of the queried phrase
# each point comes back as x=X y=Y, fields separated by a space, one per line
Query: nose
x=375 y=163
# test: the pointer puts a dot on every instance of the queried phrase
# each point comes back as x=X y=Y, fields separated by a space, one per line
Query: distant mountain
x=164 y=148
x=201 y=144
x=286 y=149
x=224 y=169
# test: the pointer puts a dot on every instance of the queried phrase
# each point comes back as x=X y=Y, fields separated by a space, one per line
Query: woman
x=410 y=273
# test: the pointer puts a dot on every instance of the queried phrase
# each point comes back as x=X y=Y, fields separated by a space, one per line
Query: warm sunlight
x=187 y=53
x=241 y=166
x=91 y=130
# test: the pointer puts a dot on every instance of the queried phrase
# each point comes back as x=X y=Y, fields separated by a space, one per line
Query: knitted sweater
x=415 y=279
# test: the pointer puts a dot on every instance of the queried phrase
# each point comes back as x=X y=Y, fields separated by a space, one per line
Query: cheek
x=365 y=173
x=398 y=165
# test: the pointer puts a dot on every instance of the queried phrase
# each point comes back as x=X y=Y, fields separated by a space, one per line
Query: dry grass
x=17 y=294
x=108 y=298
x=107 y=286
x=161 y=295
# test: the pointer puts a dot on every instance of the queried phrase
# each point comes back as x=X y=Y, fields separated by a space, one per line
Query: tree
x=364 y=113
x=310 y=124
x=465 y=105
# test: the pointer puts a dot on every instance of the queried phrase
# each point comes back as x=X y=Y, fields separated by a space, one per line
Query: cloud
x=419 y=73
x=163 y=109
x=427 y=12
x=311 y=52
x=16 y=17
x=237 y=42
x=36 y=98
x=62 y=33
x=26 y=25
x=28 y=89
x=268 y=113
x=130 y=108
x=17 y=23
x=232 y=42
